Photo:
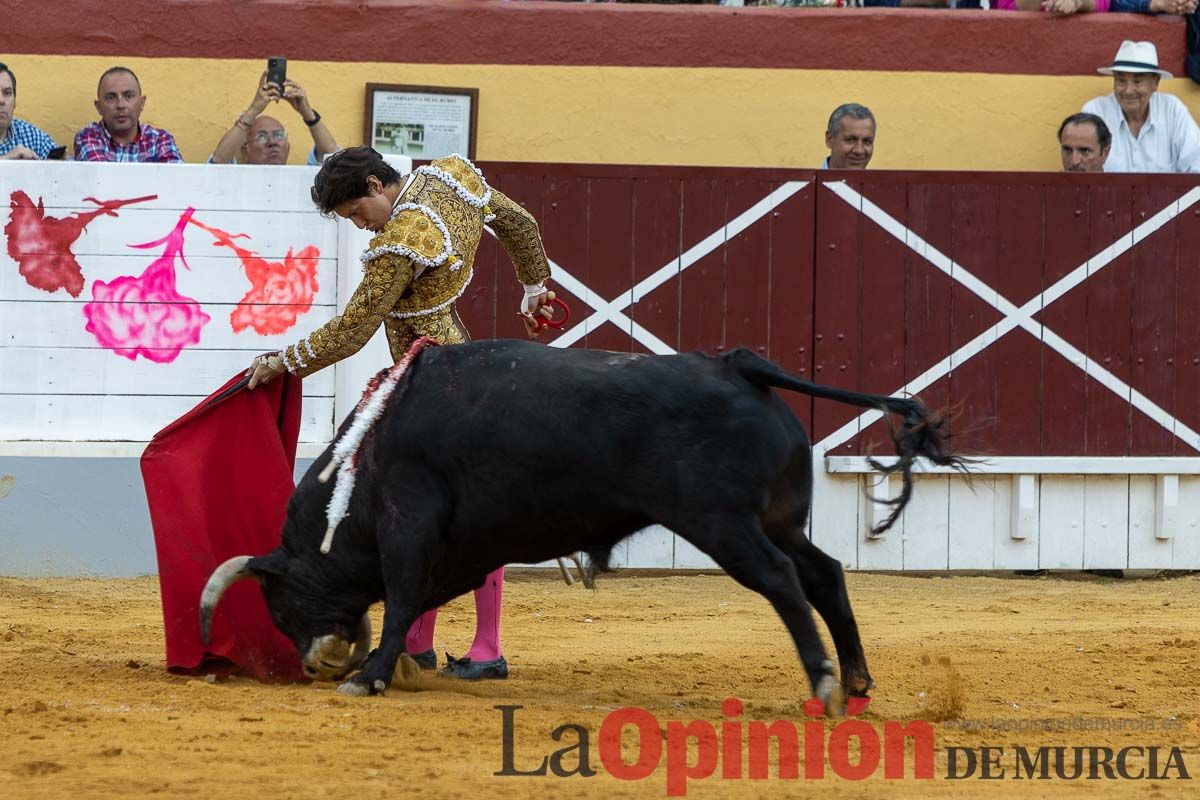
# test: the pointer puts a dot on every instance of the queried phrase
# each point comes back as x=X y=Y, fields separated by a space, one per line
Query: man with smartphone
x=259 y=139
x=20 y=141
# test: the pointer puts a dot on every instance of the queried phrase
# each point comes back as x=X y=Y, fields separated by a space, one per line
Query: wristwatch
x=316 y=118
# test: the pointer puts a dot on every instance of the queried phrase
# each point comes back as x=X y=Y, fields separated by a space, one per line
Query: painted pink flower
x=146 y=315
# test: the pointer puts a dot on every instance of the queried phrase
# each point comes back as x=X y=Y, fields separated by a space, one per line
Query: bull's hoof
x=468 y=670
x=360 y=688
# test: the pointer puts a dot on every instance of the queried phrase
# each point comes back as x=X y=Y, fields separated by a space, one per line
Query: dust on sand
x=88 y=711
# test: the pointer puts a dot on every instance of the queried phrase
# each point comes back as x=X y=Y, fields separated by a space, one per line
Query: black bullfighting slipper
x=468 y=670
x=426 y=660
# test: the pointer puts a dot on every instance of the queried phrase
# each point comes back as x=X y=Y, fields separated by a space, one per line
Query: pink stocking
x=488 y=599
x=420 y=635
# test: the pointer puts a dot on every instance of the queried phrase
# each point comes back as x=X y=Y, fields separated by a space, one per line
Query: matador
x=428 y=225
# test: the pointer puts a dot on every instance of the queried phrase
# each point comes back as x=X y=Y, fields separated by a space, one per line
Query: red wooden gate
x=1051 y=312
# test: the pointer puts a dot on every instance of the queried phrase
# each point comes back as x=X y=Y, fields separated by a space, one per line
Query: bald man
x=259 y=139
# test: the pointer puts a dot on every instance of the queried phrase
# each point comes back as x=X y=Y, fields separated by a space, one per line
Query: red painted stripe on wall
x=585 y=34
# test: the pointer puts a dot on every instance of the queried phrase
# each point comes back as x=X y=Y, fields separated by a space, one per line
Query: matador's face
x=370 y=212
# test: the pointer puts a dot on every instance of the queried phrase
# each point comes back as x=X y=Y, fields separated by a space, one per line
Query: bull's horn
x=362 y=641
x=222 y=578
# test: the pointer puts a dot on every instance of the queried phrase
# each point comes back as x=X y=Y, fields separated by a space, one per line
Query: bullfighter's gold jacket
x=422 y=262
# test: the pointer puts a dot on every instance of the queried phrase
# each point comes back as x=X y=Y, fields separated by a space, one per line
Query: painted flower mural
x=280 y=291
x=41 y=245
x=146 y=315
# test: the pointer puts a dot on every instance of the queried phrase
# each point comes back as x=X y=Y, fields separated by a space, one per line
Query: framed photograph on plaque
x=421 y=122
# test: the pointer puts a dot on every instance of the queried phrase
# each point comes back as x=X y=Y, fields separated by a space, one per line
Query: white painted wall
x=61 y=384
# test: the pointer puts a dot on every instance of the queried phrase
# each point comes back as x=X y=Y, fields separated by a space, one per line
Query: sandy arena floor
x=88 y=711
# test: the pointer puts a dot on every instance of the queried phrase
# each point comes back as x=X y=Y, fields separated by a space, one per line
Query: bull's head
x=332 y=641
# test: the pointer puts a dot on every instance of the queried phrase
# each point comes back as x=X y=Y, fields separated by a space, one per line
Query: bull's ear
x=273 y=563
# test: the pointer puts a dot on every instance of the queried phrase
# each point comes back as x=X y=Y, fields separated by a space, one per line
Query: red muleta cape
x=217 y=482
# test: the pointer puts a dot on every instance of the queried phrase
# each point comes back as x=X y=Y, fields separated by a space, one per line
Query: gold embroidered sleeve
x=517 y=230
x=386 y=277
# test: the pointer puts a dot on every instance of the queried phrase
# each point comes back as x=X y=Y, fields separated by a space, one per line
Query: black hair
x=344 y=174
x=111 y=70
x=11 y=76
x=1102 y=131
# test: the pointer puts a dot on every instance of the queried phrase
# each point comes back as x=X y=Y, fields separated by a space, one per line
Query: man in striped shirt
x=120 y=135
x=18 y=139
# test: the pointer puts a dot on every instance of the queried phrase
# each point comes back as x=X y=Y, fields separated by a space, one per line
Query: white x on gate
x=1014 y=316
x=613 y=311
x=605 y=311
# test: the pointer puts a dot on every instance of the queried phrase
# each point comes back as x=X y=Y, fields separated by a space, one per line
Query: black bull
x=500 y=452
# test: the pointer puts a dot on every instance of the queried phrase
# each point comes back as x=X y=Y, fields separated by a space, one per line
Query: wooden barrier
x=1051 y=313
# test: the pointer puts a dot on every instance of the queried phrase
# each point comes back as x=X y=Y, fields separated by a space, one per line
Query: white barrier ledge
x=1035 y=465
x=108 y=449
x=1026 y=471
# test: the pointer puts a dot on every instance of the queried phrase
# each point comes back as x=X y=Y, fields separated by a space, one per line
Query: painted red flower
x=41 y=245
x=279 y=291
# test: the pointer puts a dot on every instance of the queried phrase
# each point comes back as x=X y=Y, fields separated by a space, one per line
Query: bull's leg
x=825 y=586
x=404 y=557
x=376 y=675
x=739 y=546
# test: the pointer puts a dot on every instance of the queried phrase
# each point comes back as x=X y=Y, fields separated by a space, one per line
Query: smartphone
x=57 y=154
x=277 y=72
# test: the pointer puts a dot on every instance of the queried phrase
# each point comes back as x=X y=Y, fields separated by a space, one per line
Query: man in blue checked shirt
x=18 y=139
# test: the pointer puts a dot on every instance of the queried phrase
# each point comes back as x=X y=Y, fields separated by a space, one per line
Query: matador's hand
x=538 y=306
x=264 y=369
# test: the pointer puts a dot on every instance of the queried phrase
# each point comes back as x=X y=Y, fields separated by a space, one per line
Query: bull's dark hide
x=501 y=452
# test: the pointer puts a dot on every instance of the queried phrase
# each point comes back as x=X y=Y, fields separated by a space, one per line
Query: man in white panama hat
x=1151 y=131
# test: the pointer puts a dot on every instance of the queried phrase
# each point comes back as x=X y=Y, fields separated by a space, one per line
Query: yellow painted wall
x=619 y=115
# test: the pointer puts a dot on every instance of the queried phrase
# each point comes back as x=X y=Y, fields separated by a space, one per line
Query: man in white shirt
x=1152 y=132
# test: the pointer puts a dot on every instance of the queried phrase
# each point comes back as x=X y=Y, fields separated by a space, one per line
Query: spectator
x=19 y=140
x=850 y=137
x=1181 y=7
x=1085 y=141
x=120 y=134
x=1151 y=132
x=263 y=140
x=1055 y=8
x=1191 y=64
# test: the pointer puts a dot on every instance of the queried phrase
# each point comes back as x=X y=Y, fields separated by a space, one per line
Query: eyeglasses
x=262 y=137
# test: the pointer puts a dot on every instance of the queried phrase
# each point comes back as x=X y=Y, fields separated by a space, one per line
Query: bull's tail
x=921 y=432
